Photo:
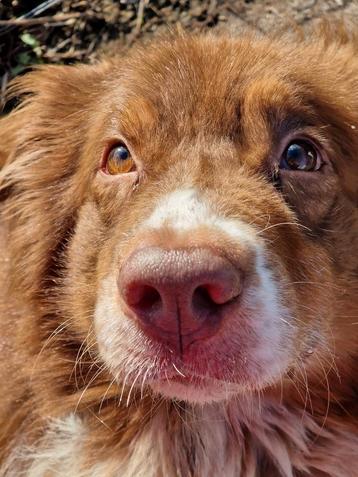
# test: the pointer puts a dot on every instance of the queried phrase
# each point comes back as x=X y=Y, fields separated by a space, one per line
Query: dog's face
x=194 y=204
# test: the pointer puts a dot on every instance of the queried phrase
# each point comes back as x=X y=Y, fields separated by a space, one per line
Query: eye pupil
x=300 y=156
x=122 y=153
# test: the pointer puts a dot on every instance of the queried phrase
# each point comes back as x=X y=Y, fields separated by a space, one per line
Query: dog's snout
x=179 y=293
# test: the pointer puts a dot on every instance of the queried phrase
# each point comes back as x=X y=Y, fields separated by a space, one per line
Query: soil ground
x=66 y=31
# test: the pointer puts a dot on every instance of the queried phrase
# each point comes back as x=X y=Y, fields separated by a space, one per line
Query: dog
x=179 y=261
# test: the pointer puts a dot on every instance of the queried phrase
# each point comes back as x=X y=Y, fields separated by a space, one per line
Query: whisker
x=98 y=373
x=308 y=399
x=143 y=381
x=132 y=386
x=296 y=224
x=105 y=394
x=99 y=419
x=83 y=349
x=328 y=400
x=123 y=386
x=177 y=370
x=56 y=331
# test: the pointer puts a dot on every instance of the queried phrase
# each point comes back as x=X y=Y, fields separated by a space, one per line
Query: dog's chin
x=199 y=393
x=196 y=390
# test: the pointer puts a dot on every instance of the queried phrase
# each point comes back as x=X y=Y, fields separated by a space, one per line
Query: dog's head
x=188 y=212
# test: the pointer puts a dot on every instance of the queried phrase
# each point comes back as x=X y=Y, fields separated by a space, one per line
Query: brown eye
x=301 y=156
x=119 y=160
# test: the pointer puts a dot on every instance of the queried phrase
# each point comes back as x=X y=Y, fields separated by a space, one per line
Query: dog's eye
x=119 y=160
x=300 y=156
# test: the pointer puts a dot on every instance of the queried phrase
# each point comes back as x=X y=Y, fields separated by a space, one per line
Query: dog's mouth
x=187 y=379
x=213 y=370
x=192 y=387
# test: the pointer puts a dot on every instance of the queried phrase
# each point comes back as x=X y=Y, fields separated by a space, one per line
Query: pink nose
x=179 y=296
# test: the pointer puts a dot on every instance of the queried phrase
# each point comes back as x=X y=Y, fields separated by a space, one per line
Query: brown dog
x=179 y=265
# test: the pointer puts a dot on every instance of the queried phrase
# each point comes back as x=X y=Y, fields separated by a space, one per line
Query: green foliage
x=30 y=57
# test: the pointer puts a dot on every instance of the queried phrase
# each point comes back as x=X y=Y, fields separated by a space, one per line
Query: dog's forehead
x=221 y=88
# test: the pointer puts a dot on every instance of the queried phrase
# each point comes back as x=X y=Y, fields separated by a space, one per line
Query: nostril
x=144 y=298
x=203 y=301
x=212 y=297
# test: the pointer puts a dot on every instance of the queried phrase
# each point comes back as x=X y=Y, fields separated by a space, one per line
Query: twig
x=35 y=21
x=32 y=13
x=52 y=54
x=41 y=8
x=212 y=7
x=140 y=17
x=4 y=81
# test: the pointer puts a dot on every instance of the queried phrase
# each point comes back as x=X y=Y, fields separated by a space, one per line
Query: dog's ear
x=54 y=104
x=41 y=143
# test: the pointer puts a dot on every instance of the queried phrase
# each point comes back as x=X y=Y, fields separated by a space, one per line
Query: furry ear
x=42 y=141
x=48 y=96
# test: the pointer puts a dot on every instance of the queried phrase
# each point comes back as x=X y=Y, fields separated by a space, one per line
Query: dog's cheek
x=80 y=280
x=111 y=193
x=339 y=236
x=311 y=200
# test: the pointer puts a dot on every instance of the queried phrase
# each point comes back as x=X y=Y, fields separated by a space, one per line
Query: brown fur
x=220 y=98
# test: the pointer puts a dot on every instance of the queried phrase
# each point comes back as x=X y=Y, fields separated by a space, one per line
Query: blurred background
x=67 y=31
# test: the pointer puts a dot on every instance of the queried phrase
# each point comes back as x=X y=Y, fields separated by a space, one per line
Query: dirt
x=66 y=31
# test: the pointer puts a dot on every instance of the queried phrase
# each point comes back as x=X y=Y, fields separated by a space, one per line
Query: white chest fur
x=219 y=440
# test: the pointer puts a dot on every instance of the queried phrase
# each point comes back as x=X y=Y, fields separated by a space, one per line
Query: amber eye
x=119 y=160
x=300 y=156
